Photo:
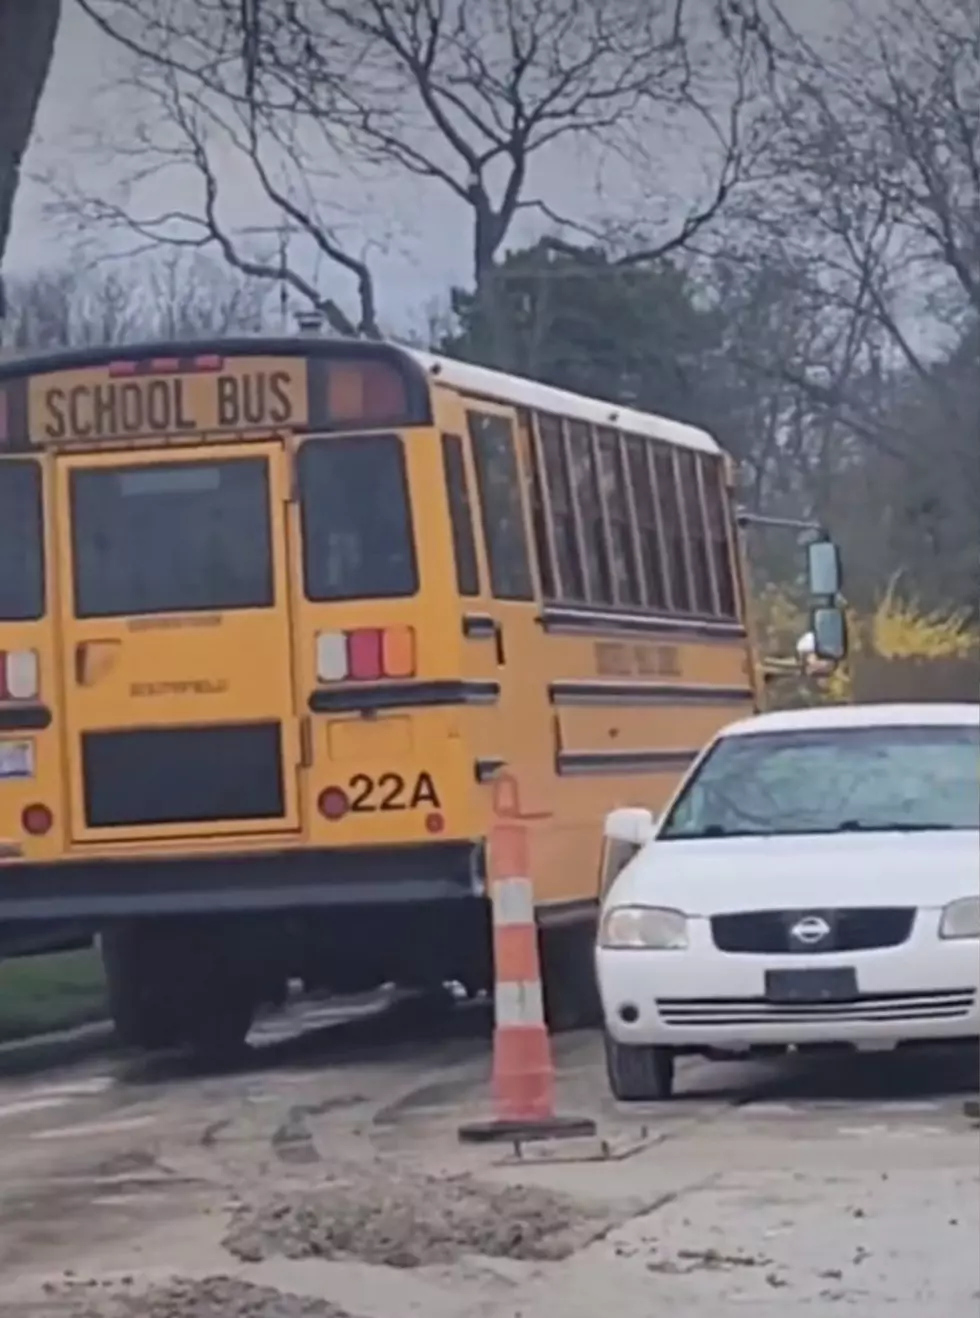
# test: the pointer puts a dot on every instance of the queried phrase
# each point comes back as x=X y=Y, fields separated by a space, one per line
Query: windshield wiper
x=891 y=826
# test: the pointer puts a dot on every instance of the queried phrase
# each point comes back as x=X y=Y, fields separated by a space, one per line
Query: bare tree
x=867 y=230
x=27 y=36
x=875 y=168
x=471 y=98
x=174 y=295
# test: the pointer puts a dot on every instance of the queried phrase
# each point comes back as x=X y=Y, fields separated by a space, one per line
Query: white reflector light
x=22 y=675
x=331 y=656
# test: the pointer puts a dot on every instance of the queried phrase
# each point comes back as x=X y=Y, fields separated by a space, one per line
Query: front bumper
x=925 y=989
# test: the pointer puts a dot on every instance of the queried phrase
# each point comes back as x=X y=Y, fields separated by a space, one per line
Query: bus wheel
x=139 y=1003
x=430 y=1006
x=571 y=993
x=217 y=1032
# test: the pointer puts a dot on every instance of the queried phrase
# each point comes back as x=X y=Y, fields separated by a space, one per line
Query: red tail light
x=333 y=803
x=37 y=820
x=365 y=655
x=19 y=675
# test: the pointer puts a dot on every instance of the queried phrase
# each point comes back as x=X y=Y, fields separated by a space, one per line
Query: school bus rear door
x=179 y=711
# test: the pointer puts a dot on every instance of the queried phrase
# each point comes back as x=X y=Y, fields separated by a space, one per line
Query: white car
x=815 y=880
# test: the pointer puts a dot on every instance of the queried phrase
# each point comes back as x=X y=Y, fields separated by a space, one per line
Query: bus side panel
x=31 y=764
x=511 y=739
x=630 y=714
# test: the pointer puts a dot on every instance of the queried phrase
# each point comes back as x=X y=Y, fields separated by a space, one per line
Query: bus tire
x=568 y=973
x=136 y=991
x=218 y=1032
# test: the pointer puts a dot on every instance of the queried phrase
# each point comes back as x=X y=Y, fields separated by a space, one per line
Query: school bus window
x=670 y=511
x=21 y=541
x=626 y=578
x=638 y=458
x=500 y=502
x=171 y=538
x=570 y=584
x=597 y=574
x=460 y=516
x=714 y=498
x=539 y=523
x=697 y=538
x=357 y=524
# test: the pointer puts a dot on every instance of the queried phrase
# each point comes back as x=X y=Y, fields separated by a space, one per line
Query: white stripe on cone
x=513 y=901
x=520 y=1003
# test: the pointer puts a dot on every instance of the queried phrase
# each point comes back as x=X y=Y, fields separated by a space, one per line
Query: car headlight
x=961 y=919
x=651 y=927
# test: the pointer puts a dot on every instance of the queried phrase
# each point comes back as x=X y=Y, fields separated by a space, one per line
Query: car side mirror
x=823 y=569
x=631 y=824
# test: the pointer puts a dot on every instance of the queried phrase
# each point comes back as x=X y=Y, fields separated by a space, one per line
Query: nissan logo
x=809 y=931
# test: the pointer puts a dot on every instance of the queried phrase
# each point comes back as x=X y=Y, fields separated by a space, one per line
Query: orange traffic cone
x=523 y=1066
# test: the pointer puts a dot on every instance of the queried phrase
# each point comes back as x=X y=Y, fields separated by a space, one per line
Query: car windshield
x=833 y=780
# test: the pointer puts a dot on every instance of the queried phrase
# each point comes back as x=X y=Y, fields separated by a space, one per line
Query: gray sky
x=415 y=232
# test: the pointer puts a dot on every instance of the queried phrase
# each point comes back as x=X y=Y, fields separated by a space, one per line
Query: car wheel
x=638 y=1073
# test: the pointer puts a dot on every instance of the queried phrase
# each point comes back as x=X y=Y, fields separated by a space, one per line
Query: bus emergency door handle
x=498 y=641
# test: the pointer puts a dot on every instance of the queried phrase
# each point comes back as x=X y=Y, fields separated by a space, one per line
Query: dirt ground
x=330 y=1183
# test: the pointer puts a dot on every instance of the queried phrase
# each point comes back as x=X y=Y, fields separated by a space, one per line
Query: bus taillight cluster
x=365 y=655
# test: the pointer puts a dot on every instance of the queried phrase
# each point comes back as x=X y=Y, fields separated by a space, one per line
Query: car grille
x=866 y=1007
x=854 y=929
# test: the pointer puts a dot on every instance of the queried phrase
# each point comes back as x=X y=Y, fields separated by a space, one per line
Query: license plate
x=16 y=759
x=838 y=984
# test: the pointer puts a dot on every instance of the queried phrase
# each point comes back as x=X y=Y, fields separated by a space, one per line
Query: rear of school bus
x=230 y=701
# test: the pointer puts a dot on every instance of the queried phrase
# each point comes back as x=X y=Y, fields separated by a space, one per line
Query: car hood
x=715 y=875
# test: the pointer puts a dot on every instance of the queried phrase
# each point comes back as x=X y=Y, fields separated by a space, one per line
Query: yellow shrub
x=896 y=629
x=901 y=630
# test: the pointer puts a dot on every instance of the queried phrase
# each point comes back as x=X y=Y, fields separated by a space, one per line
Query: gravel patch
x=408 y=1221
x=212 y=1297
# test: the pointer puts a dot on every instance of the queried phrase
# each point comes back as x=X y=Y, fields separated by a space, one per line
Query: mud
x=210 y=1297
x=409 y=1220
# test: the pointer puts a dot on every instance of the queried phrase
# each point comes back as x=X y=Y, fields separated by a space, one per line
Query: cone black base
x=511 y=1131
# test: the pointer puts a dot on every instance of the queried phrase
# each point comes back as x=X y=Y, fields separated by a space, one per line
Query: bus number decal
x=391 y=792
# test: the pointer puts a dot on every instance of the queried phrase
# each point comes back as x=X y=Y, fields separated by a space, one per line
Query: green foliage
x=578 y=320
x=41 y=994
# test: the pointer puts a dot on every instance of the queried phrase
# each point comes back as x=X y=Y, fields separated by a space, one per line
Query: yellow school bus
x=285 y=624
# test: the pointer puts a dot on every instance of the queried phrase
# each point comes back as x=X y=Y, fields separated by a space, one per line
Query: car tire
x=639 y=1074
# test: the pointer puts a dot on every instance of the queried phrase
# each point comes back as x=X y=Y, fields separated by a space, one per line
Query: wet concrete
x=333 y=1185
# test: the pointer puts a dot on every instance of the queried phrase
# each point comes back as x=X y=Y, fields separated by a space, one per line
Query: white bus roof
x=481 y=381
